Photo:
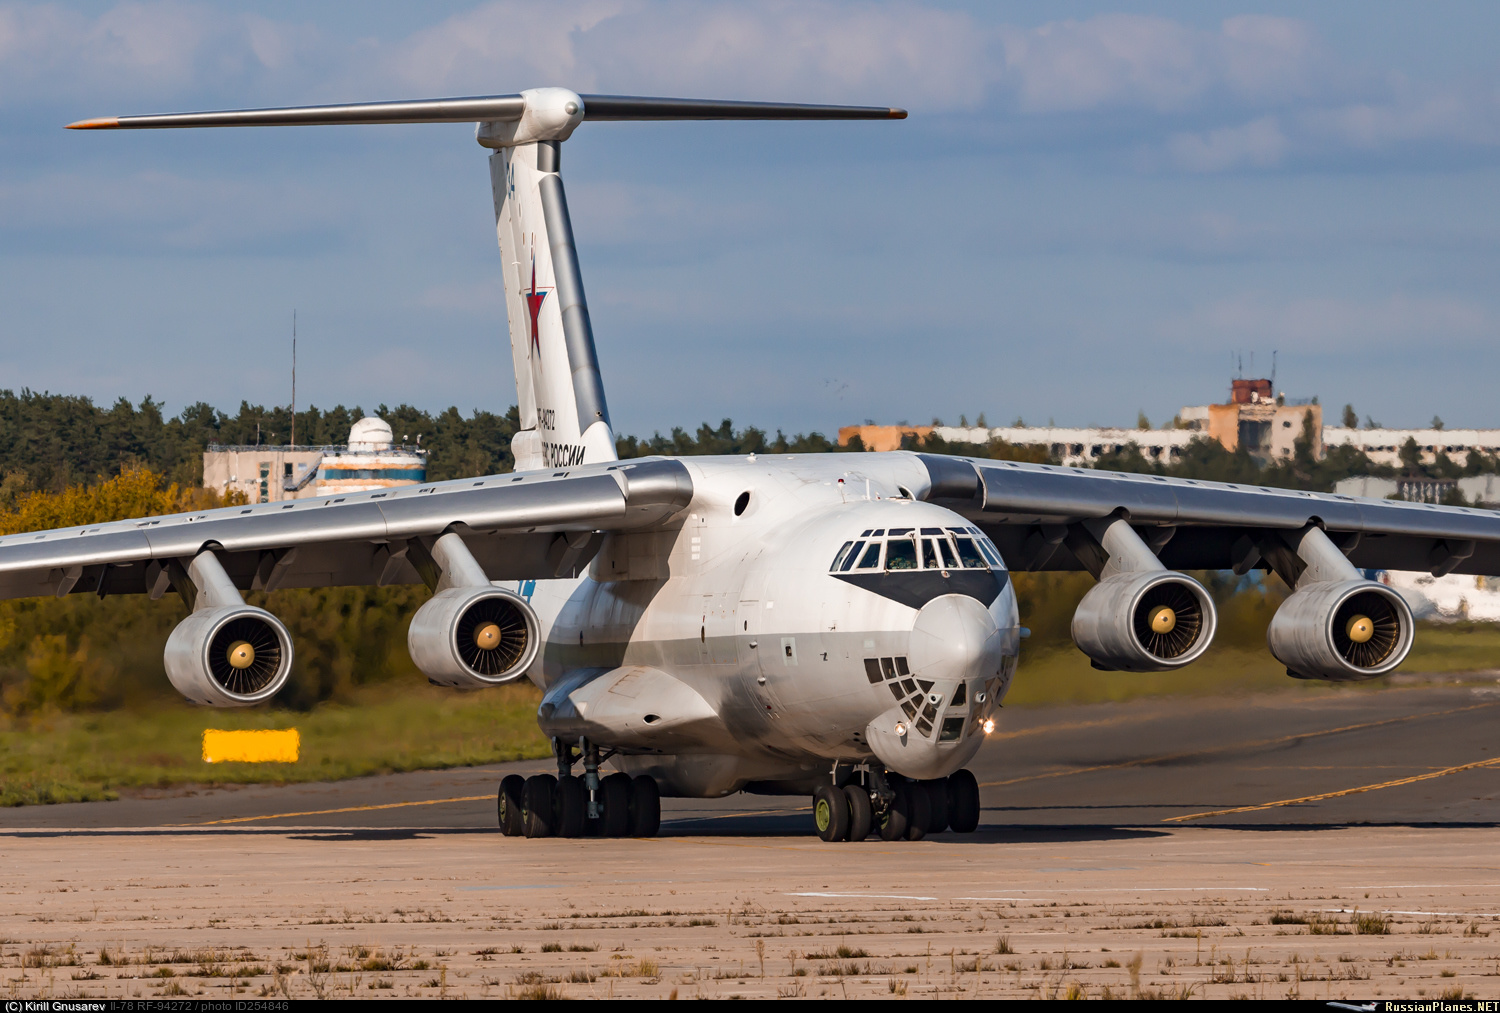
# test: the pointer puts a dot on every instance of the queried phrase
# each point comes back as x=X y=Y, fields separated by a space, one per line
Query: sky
x=1094 y=210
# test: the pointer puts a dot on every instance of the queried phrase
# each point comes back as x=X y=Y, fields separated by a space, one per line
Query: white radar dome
x=370 y=434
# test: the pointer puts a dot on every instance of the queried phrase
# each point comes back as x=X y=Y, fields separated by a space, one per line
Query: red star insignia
x=534 y=308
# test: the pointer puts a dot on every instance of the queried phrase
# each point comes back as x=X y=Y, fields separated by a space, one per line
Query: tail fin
x=560 y=394
x=564 y=419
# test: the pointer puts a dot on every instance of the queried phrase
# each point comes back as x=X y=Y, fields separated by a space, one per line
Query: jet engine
x=1342 y=631
x=1144 y=621
x=229 y=656
x=473 y=636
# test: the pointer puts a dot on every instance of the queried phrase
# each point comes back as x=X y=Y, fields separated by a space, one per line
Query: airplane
x=842 y=626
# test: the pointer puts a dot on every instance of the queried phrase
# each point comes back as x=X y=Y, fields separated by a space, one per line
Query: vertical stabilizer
x=560 y=394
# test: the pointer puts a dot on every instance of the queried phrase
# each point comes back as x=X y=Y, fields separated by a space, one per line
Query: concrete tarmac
x=1186 y=831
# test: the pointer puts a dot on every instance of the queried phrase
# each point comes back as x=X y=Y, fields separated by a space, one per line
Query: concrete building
x=1480 y=490
x=270 y=474
x=1383 y=446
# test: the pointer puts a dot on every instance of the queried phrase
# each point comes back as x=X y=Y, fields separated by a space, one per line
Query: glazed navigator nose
x=955 y=639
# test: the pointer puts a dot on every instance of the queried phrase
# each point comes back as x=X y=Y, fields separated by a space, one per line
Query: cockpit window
x=901 y=554
x=933 y=549
x=967 y=553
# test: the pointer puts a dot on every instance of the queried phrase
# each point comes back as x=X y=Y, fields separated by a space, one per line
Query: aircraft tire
x=861 y=816
x=831 y=813
x=919 y=815
x=539 y=806
x=937 y=804
x=893 y=823
x=508 y=805
x=614 y=795
x=963 y=802
x=645 y=806
x=572 y=801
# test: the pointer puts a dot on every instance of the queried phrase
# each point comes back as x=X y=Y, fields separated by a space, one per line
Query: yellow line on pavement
x=1337 y=794
x=1256 y=744
x=347 y=809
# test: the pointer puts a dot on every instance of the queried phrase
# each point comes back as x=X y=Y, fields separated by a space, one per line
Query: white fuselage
x=777 y=665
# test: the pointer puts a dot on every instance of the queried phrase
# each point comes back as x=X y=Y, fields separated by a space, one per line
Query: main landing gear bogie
x=896 y=808
x=545 y=805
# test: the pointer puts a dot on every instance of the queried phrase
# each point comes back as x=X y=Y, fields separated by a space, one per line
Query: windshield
x=965 y=548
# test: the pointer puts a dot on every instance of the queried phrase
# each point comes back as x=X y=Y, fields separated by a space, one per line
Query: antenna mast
x=294 y=379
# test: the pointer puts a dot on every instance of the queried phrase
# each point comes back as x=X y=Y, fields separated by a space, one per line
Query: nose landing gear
x=617 y=805
x=867 y=799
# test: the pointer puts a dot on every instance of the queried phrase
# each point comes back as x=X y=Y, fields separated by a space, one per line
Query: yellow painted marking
x=279 y=746
x=347 y=809
x=1259 y=743
x=1337 y=794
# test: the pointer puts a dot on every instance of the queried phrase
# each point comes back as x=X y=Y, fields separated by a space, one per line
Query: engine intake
x=1144 y=622
x=473 y=636
x=229 y=656
x=1342 y=631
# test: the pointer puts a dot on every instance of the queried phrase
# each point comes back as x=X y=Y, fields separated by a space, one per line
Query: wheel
x=963 y=802
x=537 y=805
x=614 y=796
x=831 y=813
x=508 y=804
x=645 y=807
x=937 y=804
x=920 y=814
x=572 y=802
x=861 y=817
x=893 y=822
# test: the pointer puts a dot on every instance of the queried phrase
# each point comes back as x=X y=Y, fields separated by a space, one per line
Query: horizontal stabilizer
x=495 y=109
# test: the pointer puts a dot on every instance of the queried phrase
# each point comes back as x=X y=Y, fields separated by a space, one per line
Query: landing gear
x=861 y=815
x=645 y=807
x=569 y=806
x=538 y=805
x=897 y=808
x=963 y=802
x=831 y=813
x=509 y=806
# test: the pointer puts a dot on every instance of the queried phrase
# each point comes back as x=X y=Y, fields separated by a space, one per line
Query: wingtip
x=102 y=123
x=897 y=114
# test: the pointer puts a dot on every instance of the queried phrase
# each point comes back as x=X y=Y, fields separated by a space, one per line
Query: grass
x=396 y=726
x=60 y=757
x=1050 y=677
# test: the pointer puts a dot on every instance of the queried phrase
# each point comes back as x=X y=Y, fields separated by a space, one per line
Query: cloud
x=1259 y=144
x=1332 y=324
x=812 y=51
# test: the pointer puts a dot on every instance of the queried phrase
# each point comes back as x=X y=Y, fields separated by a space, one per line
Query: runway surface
x=1328 y=844
x=1415 y=756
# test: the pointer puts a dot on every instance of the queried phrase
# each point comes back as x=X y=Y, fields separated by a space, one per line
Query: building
x=1479 y=490
x=1265 y=424
x=1383 y=446
x=269 y=474
x=1255 y=418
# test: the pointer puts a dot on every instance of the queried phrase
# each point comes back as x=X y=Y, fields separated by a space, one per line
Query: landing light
x=901 y=729
x=989 y=725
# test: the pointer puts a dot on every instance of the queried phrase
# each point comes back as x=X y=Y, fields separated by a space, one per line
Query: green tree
x=1351 y=417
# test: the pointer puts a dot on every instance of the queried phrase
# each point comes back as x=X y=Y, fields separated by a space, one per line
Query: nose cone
x=955 y=638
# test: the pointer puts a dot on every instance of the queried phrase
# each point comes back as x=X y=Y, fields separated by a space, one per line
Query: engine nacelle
x=1145 y=621
x=229 y=656
x=1342 y=631
x=473 y=636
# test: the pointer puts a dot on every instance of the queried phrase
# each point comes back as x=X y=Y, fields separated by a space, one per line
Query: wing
x=525 y=526
x=1029 y=509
